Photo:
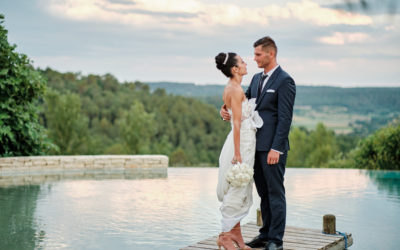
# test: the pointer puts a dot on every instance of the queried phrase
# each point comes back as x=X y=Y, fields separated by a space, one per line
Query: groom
x=275 y=92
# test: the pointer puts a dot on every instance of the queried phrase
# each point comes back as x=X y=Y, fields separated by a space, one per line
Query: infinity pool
x=172 y=212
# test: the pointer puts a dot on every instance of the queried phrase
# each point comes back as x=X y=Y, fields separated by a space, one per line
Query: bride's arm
x=236 y=104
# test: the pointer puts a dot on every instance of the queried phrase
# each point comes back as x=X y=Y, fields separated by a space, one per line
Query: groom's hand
x=273 y=157
x=224 y=113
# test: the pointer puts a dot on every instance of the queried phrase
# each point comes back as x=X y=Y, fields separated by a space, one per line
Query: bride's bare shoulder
x=238 y=93
x=231 y=89
x=233 y=92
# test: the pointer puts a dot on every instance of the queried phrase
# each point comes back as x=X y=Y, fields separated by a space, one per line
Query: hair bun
x=219 y=60
x=225 y=62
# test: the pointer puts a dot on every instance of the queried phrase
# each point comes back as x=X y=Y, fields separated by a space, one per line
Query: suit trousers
x=269 y=183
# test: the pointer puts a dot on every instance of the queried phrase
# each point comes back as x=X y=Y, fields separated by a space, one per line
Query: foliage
x=179 y=158
x=126 y=118
x=365 y=128
x=67 y=127
x=299 y=150
x=137 y=129
x=380 y=150
x=313 y=148
x=323 y=144
x=21 y=87
x=322 y=148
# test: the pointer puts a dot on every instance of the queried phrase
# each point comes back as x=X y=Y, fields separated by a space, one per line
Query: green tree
x=137 y=129
x=299 y=147
x=380 y=150
x=21 y=87
x=68 y=127
x=315 y=148
x=162 y=146
x=179 y=158
x=323 y=146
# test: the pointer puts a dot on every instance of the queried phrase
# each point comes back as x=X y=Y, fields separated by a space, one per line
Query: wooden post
x=329 y=224
x=259 y=218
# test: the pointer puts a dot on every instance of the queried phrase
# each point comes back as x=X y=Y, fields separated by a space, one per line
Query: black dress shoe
x=257 y=242
x=273 y=246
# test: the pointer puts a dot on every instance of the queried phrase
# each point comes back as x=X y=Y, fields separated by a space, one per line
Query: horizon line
x=382 y=85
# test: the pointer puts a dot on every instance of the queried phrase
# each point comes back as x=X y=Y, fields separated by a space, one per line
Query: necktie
x=260 y=86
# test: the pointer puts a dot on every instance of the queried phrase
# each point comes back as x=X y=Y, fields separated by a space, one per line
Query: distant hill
x=345 y=110
x=358 y=100
x=188 y=89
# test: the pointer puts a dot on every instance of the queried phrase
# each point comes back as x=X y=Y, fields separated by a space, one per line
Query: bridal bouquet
x=239 y=175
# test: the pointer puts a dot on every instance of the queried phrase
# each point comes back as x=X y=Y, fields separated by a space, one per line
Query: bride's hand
x=236 y=159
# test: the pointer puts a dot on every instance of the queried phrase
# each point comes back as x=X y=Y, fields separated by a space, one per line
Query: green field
x=334 y=117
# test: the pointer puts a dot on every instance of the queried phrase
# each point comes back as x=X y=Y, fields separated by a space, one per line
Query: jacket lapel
x=270 y=82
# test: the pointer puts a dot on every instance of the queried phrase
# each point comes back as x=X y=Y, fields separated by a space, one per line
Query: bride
x=239 y=147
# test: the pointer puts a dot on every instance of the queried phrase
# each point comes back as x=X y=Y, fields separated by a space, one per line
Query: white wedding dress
x=236 y=201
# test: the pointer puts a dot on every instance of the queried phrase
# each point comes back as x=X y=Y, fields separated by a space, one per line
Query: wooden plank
x=198 y=247
x=291 y=231
x=204 y=246
x=252 y=226
x=296 y=238
x=309 y=235
x=306 y=242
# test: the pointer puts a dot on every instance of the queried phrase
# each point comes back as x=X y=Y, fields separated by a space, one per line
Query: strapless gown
x=236 y=201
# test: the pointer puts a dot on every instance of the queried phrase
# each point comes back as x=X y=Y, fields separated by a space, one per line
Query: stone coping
x=21 y=170
x=88 y=161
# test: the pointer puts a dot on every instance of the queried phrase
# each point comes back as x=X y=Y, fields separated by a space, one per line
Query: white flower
x=239 y=175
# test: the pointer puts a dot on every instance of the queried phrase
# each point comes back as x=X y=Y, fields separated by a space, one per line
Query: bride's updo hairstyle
x=225 y=61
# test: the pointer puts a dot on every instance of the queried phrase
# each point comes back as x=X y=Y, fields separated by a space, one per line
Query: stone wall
x=38 y=169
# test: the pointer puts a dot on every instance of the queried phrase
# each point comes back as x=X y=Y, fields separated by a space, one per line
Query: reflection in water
x=126 y=214
x=170 y=213
x=309 y=185
x=14 y=178
x=386 y=180
x=17 y=223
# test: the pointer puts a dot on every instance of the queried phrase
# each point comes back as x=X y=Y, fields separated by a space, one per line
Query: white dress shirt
x=269 y=73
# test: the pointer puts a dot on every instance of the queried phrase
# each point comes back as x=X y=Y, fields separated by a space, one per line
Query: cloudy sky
x=319 y=43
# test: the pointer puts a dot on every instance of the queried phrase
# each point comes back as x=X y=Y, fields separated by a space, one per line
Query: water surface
x=172 y=212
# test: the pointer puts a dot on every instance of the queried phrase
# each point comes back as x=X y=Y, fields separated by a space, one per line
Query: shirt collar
x=269 y=73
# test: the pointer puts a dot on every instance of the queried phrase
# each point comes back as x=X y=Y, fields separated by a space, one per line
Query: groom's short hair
x=266 y=42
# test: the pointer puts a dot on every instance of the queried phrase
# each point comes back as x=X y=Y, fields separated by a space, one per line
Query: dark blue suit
x=275 y=106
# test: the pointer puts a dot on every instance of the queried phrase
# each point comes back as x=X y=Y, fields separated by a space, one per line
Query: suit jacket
x=275 y=106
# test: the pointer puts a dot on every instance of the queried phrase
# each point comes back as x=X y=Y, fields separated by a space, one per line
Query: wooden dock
x=295 y=238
